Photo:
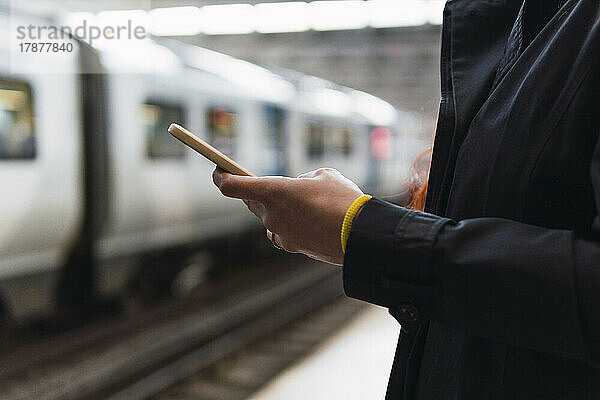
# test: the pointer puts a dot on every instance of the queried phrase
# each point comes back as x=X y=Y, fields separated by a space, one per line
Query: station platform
x=354 y=363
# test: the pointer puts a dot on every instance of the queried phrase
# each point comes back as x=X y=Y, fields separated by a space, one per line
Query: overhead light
x=394 y=13
x=282 y=17
x=228 y=19
x=294 y=16
x=124 y=18
x=176 y=21
x=337 y=15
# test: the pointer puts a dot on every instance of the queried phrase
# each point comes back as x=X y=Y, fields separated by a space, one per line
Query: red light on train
x=381 y=142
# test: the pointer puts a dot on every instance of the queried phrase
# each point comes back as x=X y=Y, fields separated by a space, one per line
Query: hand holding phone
x=214 y=155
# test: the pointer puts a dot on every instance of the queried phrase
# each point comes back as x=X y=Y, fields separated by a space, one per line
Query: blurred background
x=113 y=241
x=389 y=48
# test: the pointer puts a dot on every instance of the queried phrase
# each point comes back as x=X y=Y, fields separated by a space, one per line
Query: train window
x=156 y=118
x=315 y=146
x=275 y=140
x=17 y=137
x=222 y=129
x=341 y=141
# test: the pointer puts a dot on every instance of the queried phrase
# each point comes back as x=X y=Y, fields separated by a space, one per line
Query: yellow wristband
x=349 y=217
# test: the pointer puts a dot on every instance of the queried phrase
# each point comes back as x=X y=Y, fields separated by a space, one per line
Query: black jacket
x=497 y=287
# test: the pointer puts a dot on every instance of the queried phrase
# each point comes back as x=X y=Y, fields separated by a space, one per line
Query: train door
x=314 y=144
x=40 y=180
x=274 y=155
x=164 y=169
x=224 y=122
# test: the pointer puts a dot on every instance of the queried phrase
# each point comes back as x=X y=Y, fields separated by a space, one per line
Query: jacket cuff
x=388 y=257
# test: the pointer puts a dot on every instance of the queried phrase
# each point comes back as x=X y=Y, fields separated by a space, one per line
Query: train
x=94 y=190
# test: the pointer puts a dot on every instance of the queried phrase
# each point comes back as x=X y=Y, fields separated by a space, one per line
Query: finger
x=309 y=174
x=245 y=187
x=272 y=237
x=276 y=242
x=284 y=245
x=318 y=172
x=257 y=208
x=217 y=175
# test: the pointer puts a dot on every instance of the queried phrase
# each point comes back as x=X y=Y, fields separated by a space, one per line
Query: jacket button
x=408 y=312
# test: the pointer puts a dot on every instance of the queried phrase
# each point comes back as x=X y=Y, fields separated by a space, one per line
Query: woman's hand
x=304 y=214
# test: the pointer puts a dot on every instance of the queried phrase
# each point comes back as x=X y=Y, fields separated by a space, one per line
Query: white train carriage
x=93 y=183
x=162 y=191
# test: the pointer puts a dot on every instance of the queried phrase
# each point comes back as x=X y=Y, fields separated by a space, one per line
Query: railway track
x=243 y=373
x=146 y=355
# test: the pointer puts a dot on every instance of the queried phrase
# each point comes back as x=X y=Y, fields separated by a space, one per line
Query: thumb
x=243 y=187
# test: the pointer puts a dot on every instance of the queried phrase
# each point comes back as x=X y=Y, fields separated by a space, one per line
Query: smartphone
x=207 y=150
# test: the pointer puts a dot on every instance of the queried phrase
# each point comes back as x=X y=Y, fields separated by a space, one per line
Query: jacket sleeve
x=520 y=284
x=508 y=281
